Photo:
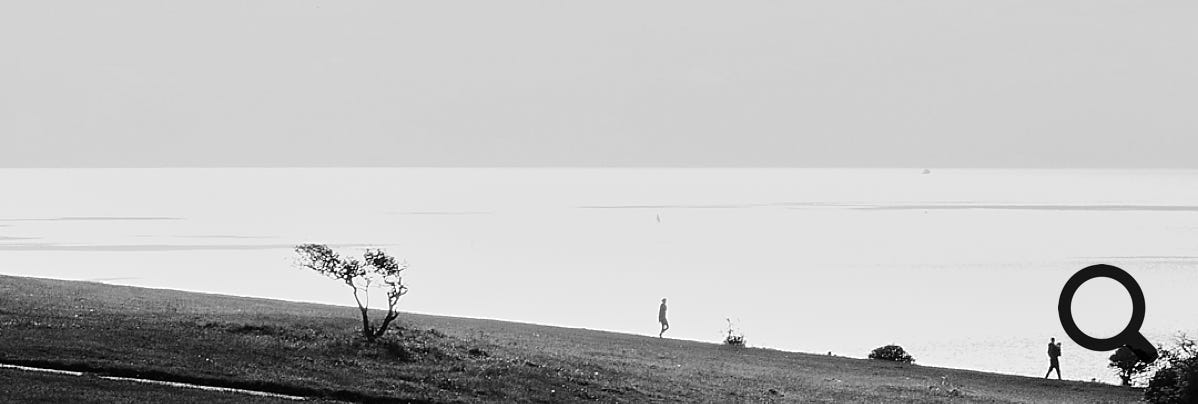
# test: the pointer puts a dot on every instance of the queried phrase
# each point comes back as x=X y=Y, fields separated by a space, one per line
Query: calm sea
x=961 y=267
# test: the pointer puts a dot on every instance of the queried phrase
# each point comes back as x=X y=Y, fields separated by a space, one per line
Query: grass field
x=22 y=386
x=313 y=350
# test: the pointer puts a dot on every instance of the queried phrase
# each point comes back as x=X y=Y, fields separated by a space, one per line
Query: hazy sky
x=622 y=83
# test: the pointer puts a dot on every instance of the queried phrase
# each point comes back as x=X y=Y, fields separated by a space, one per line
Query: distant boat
x=927 y=171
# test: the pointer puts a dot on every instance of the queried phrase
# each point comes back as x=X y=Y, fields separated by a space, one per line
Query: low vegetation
x=1127 y=365
x=893 y=353
x=1176 y=381
x=734 y=337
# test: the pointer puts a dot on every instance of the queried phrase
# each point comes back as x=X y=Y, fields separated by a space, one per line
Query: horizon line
x=618 y=167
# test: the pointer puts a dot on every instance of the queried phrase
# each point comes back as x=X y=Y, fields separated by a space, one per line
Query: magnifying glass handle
x=1142 y=348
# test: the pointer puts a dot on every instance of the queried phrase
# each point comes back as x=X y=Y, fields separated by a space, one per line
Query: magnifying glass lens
x=1102 y=308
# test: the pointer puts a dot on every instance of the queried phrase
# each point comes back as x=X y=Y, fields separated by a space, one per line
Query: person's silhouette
x=1054 y=352
x=661 y=318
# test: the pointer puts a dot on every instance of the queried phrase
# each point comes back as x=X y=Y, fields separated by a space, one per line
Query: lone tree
x=376 y=270
x=1127 y=364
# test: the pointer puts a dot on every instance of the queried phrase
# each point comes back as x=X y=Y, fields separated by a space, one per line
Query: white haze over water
x=961 y=267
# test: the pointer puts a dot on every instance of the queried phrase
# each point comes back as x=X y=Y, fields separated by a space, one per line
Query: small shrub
x=1127 y=365
x=891 y=353
x=946 y=388
x=734 y=337
x=396 y=349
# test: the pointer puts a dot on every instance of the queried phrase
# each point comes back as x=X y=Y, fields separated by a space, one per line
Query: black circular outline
x=1129 y=335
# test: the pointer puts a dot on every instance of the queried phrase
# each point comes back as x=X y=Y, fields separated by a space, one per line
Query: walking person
x=661 y=318
x=1054 y=352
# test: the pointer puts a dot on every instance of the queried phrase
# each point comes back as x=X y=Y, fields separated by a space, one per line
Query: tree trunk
x=392 y=299
x=366 y=331
x=391 y=315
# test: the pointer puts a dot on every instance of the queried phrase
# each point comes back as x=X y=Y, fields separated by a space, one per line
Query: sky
x=1062 y=84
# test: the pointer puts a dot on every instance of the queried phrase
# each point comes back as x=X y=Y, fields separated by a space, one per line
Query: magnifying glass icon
x=1130 y=335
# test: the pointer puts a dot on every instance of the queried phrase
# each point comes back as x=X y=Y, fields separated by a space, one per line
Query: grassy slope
x=22 y=386
x=306 y=348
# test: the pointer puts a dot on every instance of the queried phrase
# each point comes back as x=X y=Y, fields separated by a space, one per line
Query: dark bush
x=396 y=349
x=1176 y=377
x=1176 y=384
x=892 y=353
x=1127 y=365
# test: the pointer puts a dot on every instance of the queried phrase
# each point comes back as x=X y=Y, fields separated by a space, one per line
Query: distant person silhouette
x=661 y=318
x=1054 y=351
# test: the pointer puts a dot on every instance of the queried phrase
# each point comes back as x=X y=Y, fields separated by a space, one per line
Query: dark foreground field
x=312 y=350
